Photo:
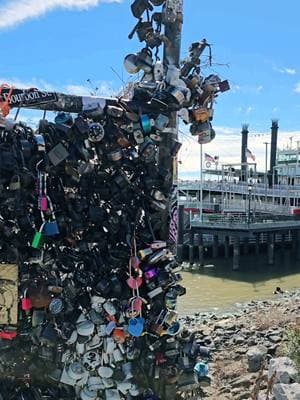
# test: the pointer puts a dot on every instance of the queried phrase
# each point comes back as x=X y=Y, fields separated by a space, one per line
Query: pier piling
x=270 y=248
x=199 y=242
x=226 y=246
x=191 y=247
x=180 y=233
x=215 y=246
x=236 y=253
x=257 y=237
x=298 y=245
x=246 y=246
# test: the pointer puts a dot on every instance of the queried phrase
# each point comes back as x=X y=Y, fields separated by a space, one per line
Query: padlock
x=40 y=142
x=147 y=149
x=145 y=253
x=201 y=114
x=96 y=132
x=146 y=123
x=157 y=2
x=43 y=203
x=15 y=183
x=26 y=303
x=138 y=136
x=38 y=238
x=51 y=228
x=116 y=112
x=58 y=154
x=161 y=122
x=56 y=306
x=138 y=7
x=155 y=137
x=131 y=64
x=144 y=60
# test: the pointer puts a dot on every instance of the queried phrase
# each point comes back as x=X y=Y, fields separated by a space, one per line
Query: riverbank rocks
x=283 y=391
x=241 y=341
x=284 y=368
x=256 y=356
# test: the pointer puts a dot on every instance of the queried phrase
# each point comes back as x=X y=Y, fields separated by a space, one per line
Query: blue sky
x=59 y=44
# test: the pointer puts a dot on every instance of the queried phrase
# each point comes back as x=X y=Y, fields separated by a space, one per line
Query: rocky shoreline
x=249 y=348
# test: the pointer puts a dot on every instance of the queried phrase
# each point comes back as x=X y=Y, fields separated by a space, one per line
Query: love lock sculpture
x=81 y=200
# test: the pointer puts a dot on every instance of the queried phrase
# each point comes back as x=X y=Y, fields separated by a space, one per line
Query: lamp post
x=249 y=204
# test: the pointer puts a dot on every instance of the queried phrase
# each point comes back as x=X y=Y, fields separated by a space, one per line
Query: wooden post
x=215 y=246
x=270 y=248
x=226 y=246
x=191 y=247
x=236 y=253
x=180 y=233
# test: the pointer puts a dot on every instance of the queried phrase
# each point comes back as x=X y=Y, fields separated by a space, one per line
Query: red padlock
x=26 y=303
x=8 y=335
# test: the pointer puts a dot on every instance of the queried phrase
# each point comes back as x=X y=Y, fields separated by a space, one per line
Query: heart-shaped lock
x=134 y=283
x=136 y=326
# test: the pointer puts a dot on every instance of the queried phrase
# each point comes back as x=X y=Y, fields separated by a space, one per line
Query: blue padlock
x=146 y=123
x=136 y=326
x=51 y=228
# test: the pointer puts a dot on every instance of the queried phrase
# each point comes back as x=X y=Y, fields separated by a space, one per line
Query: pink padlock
x=134 y=283
x=44 y=203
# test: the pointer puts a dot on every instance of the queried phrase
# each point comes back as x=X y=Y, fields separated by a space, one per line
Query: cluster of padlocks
x=81 y=200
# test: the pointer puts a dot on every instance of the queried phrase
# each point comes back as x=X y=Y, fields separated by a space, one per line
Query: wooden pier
x=229 y=232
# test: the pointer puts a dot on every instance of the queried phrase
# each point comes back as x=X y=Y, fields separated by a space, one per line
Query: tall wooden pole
x=173 y=12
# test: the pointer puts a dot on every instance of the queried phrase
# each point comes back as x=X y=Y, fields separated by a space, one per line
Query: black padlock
x=58 y=154
x=138 y=7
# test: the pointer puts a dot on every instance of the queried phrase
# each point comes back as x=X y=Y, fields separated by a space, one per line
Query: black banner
x=28 y=97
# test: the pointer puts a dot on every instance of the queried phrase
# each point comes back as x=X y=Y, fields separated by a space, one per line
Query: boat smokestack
x=274 y=137
x=243 y=151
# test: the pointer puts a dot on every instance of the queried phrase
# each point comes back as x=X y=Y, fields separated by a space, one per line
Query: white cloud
x=259 y=88
x=249 y=109
x=285 y=70
x=227 y=145
x=102 y=88
x=297 y=88
x=14 y=12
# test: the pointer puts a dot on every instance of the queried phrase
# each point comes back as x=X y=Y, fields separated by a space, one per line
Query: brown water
x=221 y=289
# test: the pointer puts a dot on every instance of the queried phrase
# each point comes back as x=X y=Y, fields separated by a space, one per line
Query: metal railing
x=242 y=188
x=235 y=219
